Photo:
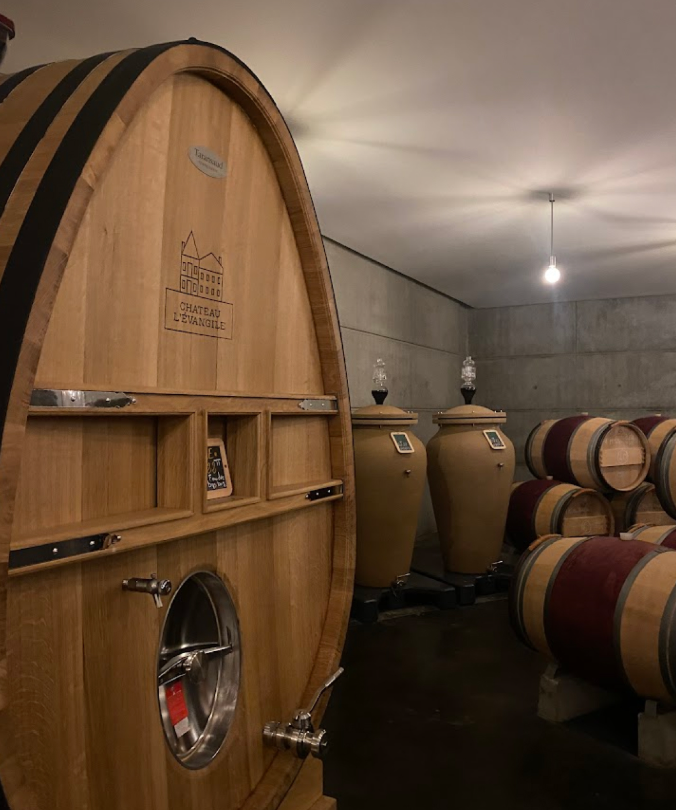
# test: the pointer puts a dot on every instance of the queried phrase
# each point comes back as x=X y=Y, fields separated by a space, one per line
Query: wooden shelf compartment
x=82 y=474
x=241 y=437
x=299 y=457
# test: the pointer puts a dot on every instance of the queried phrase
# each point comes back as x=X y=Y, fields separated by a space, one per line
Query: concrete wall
x=613 y=358
x=420 y=334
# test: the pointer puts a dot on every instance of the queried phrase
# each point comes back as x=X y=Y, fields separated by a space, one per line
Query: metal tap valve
x=299 y=736
x=157 y=588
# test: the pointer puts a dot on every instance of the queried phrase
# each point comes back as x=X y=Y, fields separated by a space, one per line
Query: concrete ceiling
x=433 y=130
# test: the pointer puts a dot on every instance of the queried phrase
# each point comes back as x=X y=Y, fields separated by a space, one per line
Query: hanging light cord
x=551 y=232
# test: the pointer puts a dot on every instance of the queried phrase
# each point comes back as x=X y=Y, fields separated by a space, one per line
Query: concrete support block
x=657 y=735
x=564 y=697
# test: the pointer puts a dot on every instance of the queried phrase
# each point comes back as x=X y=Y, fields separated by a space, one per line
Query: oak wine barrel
x=545 y=506
x=175 y=421
x=658 y=535
x=534 y=448
x=641 y=505
x=603 y=608
x=655 y=428
x=596 y=452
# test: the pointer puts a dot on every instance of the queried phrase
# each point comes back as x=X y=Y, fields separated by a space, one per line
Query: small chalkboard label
x=402 y=443
x=219 y=483
x=494 y=439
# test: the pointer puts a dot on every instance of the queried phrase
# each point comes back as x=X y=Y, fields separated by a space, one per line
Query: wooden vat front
x=158 y=239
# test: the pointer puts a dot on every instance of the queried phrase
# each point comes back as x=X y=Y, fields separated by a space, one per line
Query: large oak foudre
x=163 y=284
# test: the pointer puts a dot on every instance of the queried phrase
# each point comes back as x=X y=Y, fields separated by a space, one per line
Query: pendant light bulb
x=552 y=273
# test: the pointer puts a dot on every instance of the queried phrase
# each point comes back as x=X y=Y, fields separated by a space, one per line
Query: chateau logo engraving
x=197 y=306
x=207 y=161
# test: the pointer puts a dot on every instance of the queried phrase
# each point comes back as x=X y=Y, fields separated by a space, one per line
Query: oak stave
x=664 y=535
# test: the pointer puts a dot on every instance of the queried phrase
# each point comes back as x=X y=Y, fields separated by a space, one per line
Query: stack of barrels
x=576 y=461
x=603 y=608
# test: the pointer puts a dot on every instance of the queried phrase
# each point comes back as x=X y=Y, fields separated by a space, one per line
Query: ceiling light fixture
x=552 y=273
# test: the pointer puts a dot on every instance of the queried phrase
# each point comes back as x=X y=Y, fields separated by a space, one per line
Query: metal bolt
x=407 y=472
x=111 y=540
x=55 y=550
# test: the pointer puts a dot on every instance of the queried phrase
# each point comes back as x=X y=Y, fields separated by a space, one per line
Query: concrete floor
x=438 y=711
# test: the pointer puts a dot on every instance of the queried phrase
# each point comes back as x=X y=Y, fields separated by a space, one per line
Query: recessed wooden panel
x=78 y=469
x=175 y=459
x=299 y=452
x=82 y=470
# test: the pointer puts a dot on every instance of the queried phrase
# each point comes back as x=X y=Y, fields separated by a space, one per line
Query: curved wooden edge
x=655 y=437
x=651 y=533
x=225 y=71
x=540 y=579
x=534 y=449
x=630 y=504
x=644 y=645
x=662 y=478
x=582 y=452
x=548 y=510
x=636 y=527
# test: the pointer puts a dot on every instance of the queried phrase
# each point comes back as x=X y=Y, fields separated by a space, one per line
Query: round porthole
x=198 y=669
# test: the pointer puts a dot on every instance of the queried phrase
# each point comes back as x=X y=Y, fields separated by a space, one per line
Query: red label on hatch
x=177 y=708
